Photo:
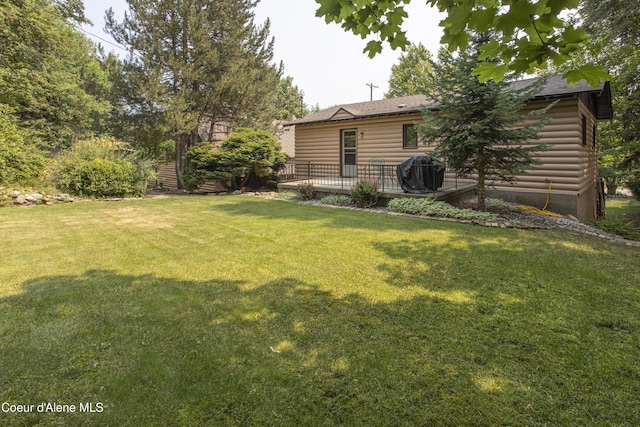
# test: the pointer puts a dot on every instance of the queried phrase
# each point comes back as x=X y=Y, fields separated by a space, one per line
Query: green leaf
x=457 y=19
x=396 y=17
x=330 y=9
x=490 y=70
x=489 y=4
x=346 y=10
x=593 y=74
x=482 y=20
x=558 y=6
x=574 y=35
x=373 y=48
x=399 y=41
x=491 y=49
x=455 y=41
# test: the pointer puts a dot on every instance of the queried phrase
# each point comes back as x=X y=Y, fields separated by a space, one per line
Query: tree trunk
x=180 y=161
x=183 y=143
x=481 y=176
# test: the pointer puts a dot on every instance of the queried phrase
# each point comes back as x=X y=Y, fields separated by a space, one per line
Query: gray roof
x=555 y=87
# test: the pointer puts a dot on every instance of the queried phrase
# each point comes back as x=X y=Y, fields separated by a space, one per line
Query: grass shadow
x=326 y=215
x=159 y=351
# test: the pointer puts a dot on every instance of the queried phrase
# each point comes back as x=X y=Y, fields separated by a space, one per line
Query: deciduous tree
x=529 y=33
x=410 y=75
x=49 y=74
x=289 y=100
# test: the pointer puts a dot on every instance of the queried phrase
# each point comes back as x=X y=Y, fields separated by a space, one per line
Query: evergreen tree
x=245 y=154
x=410 y=75
x=197 y=63
x=478 y=127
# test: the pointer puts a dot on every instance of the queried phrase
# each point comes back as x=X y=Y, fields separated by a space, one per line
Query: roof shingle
x=555 y=87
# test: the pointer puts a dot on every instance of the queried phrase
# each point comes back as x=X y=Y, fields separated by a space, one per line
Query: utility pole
x=371 y=86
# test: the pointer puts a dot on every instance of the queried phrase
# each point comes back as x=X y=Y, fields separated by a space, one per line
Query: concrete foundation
x=564 y=204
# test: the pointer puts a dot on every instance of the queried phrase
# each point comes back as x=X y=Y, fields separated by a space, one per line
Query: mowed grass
x=626 y=209
x=623 y=218
x=243 y=311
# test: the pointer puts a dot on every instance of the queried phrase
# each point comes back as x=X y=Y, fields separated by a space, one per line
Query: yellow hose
x=542 y=211
x=538 y=211
x=548 y=195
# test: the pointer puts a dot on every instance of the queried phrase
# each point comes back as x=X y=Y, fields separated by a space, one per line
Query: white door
x=349 y=148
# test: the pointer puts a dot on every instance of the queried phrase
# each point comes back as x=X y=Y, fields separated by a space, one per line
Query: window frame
x=406 y=137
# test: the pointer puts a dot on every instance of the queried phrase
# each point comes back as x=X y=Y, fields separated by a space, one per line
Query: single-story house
x=357 y=134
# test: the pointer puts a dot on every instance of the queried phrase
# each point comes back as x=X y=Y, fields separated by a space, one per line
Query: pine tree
x=195 y=63
x=478 y=127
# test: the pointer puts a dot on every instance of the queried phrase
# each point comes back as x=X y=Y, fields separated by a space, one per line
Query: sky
x=326 y=63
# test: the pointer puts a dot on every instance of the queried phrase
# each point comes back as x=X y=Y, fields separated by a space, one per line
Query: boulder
x=20 y=200
x=15 y=194
x=36 y=196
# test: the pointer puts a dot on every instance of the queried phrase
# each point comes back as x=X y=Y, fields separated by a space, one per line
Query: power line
x=104 y=40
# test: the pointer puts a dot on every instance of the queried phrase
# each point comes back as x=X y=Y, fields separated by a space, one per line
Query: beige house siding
x=378 y=138
x=567 y=165
x=167 y=180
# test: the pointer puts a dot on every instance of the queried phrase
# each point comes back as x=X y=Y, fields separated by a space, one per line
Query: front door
x=349 y=148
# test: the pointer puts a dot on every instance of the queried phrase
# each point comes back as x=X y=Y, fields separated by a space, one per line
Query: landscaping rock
x=20 y=200
x=36 y=196
x=15 y=194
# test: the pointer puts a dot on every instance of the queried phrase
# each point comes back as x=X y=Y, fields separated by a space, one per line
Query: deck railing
x=345 y=177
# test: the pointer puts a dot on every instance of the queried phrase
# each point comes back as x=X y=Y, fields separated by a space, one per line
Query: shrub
x=104 y=178
x=102 y=167
x=337 y=200
x=500 y=206
x=306 y=190
x=245 y=154
x=430 y=207
x=365 y=194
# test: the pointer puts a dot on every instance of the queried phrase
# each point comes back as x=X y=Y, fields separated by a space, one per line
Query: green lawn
x=243 y=311
x=628 y=207
x=623 y=218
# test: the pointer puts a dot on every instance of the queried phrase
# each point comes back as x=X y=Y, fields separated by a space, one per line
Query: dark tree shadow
x=158 y=351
